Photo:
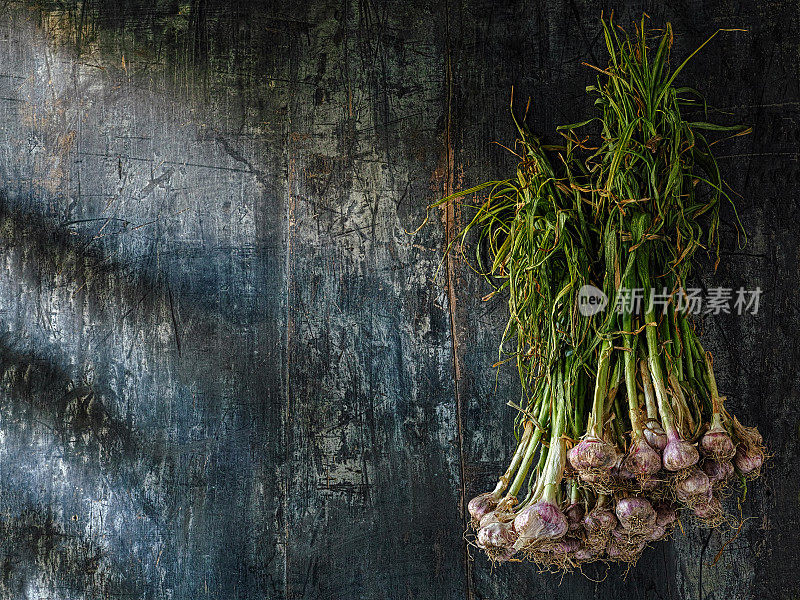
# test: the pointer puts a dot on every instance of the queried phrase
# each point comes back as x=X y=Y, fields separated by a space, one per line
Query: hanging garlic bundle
x=621 y=423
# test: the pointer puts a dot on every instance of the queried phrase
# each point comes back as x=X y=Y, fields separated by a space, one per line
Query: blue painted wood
x=228 y=371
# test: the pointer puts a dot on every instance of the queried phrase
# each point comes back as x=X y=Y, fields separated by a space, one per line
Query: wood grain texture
x=227 y=369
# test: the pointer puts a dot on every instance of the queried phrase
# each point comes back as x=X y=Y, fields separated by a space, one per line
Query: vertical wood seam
x=286 y=428
x=449 y=229
x=287 y=409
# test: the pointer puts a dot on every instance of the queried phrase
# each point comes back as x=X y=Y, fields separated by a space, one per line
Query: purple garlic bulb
x=655 y=436
x=665 y=515
x=695 y=485
x=538 y=523
x=748 y=436
x=641 y=461
x=574 y=514
x=716 y=443
x=717 y=470
x=589 y=552
x=679 y=454
x=658 y=532
x=481 y=505
x=636 y=514
x=600 y=520
x=496 y=535
x=709 y=510
x=592 y=453
x=566 y=545
x=747 y=461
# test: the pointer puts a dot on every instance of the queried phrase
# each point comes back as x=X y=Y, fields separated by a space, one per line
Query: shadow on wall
x=42 y=397
x=209 y=469
x=37 y=390
x=31 y=538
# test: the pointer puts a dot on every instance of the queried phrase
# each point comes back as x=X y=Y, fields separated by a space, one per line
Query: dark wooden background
x=227 y=370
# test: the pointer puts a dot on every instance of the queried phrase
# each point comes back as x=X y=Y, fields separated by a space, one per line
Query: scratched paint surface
x=229 y=372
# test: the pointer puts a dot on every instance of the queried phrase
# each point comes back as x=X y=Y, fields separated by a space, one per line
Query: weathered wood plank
x=229 y=373
x=144 y=285
x=373 y=496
